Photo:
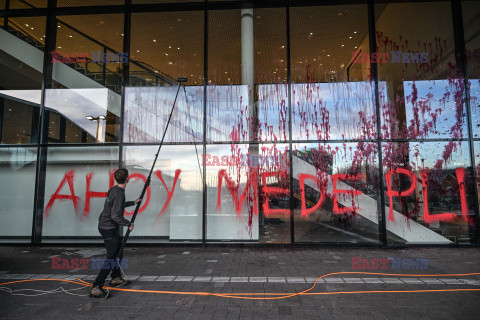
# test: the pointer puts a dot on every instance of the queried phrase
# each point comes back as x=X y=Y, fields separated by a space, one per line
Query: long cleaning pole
x=147 y=183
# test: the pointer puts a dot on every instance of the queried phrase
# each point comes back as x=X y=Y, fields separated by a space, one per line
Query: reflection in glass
x=429 y=192
x=86 y=80
x=421 y=94
x=247 y=92
x=17 y=169
x=248 y=194
x=77 y=180
x=336 y=192
x=21 y=67
x=172 y=208
x=471 y=12
x=165 y=46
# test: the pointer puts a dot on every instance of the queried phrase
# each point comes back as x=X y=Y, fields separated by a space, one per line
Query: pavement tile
x=295 y=280
x=165 y=278
x=184 y=278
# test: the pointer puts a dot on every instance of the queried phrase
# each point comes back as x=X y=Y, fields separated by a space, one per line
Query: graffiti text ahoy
x=89 y=194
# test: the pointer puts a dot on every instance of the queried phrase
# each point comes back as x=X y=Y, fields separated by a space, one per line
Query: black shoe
x=99 y=292
x=119 y=282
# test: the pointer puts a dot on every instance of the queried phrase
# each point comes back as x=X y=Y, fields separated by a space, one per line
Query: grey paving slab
x=147 y=278
x=184 y=278
x=165 y=278
x=202 y=279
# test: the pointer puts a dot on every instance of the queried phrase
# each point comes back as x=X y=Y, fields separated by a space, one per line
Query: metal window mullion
x=127 y=27
x=204 y=142
x=382 y=225
x=7 y=7
x=290 y=121
x=460 y=58
x=41 y=163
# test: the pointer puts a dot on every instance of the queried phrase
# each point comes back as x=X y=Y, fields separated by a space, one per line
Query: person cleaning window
x=108 y=222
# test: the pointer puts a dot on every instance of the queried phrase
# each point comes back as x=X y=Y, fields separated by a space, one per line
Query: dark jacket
x=112 y=214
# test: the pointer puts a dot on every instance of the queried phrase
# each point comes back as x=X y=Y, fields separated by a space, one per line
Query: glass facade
x=306 y=123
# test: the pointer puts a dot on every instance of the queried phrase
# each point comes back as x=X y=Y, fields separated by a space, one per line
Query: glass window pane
x=247 y=193
x=421 y=95
x=332 y=97
x=337 y=192
x=247 y=93
x=429 y=192
x=471 y=12
x=77 y=179
x=17 y=166
x=172 y=208
x=21 y=67
x=165 y=46
x=87 y=64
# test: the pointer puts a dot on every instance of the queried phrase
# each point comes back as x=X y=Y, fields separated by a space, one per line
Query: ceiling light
x=89 y=117
x=343 y=45
x=311 y=33
x=154 y=40
x=169 y=47
x=354 y=31
x=349 y=37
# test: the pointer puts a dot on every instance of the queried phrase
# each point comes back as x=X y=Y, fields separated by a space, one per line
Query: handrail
x=25 y=31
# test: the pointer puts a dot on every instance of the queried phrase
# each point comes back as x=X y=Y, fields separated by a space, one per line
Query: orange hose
x=249 y=295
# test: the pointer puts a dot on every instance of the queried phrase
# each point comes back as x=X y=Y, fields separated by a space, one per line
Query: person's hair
x=121 y=175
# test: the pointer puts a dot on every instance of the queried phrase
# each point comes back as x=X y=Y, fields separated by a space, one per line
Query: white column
x=248 y=65
x=248 y=78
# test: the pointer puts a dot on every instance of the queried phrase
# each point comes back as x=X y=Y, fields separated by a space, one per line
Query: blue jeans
x=112 y=241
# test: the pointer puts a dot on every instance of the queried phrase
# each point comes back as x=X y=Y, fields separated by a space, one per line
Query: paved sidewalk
x=246 y=270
